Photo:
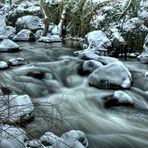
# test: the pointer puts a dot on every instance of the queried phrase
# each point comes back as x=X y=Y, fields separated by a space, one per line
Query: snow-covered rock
x=56 y=38
x=15 y=108
x=33 y=144
x=12 y=137
x=114 y=75
x=24 y=35
x=48 y=138
x=8 y=32
x=16 y=61
x=90 y=54
x=46 y=39
x=130 y=97
x=9 y=45
x=90 y=65
x=77 y=135
x=98 y=39
x=122 y=97
x=143 y=57
x=50 y=38
x=3 y=65
x=33 y=23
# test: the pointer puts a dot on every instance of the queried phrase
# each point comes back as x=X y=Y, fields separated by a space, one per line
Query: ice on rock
x=114 y=75
x=122 y=97
x=16 y=61
x=131 y=98
x=3 y=65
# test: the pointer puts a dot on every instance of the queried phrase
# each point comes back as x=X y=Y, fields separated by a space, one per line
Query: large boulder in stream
x=24 y=35
x=113 y=76
x=8 y=45
x=33 y=23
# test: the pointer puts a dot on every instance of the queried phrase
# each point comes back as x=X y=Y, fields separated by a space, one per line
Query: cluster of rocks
x=12 y=137
x=8 y=45
x=104 y=72
x=24 y=23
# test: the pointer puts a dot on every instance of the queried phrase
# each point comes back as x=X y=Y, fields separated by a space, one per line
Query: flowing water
x=63 y=99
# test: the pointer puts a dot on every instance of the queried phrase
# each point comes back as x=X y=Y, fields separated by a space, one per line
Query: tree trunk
x=46 y=20
x=61 y=22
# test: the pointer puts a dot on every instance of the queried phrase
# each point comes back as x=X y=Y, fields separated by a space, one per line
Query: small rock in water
x=16 y=61
x=36 y=74
x=3 y=65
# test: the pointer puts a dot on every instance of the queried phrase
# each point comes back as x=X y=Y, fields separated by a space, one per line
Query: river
x=63 y=99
